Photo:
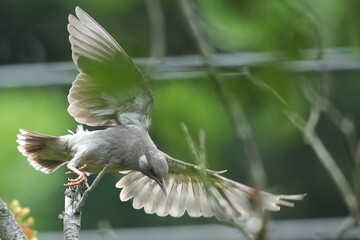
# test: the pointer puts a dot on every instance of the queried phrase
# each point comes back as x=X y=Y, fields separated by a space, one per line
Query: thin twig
x=9 y=228
x=344 y=124
x=200 y=158
x=90 y=189
x=356 y=179
x=349 y=224
x=320 y=101
x=190 y=142
x=348 y=130
x=261 y=84
x=157 y=34
x=315 y=142
x=327 y=160
x=106 y=231
x=234 y=109
x=312 y=121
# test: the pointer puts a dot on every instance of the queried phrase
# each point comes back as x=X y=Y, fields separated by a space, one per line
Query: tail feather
x=44 y=153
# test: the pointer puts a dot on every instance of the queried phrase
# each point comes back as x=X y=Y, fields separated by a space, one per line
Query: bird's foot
x=75 y=172
x=82 y=177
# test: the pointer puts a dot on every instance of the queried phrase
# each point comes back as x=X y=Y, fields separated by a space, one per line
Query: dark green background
x=35 y=31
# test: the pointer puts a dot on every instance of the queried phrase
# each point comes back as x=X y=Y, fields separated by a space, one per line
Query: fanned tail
x=44 y=153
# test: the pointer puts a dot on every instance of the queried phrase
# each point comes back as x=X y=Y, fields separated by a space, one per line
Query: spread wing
x=109 y=83
x=187 y=191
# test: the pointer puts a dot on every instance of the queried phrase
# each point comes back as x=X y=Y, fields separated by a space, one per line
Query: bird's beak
x=162 y=185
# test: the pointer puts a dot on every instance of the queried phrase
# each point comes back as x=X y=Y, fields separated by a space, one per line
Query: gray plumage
x=110 y=91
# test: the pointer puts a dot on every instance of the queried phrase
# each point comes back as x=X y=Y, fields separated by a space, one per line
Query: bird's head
x=154 y=165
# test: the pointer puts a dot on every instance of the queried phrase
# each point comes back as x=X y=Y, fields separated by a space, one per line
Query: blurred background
x=299 y=34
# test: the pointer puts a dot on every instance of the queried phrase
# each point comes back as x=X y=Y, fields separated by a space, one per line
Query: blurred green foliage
x=35 y=31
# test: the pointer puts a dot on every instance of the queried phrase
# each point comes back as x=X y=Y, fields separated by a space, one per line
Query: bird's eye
x=152 y=171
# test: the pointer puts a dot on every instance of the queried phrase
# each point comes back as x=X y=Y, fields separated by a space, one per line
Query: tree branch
x=91 y=188
x=311 y=138
x=308 y=129
x=75 y=198
x=157 y=34
x=72 y=218
x=348 y=129
x=240 y=124
x=9 y=228
x=328 y=162
x=199 y=153
x=239 y=121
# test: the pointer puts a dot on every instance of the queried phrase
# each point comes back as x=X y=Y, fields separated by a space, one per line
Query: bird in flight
x=111 y=92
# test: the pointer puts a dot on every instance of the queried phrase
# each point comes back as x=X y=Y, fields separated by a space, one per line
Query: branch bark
x=75 y=198
x=71 y=217
x=9 y=228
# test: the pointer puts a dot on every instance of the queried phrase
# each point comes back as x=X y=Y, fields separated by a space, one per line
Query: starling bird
x=110 y=91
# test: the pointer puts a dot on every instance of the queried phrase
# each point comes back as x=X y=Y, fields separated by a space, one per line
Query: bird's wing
x=190 y=190
x=109 y=83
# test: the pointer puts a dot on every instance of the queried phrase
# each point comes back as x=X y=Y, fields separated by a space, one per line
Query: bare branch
x=200 y=158
x=9 y=228
x=328 y=162
x=70 y=217
x=157 y=31
x=190 y=142
x=75 y=198
x=343 y=123
x=234 y=109
x=312 y=121
x=90 y=189
x=106 y=231
x=315 y=142
x=308 y=128
x=356 y=175
x=348 y=130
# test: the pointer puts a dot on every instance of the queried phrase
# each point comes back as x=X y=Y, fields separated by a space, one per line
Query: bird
x=111 y=92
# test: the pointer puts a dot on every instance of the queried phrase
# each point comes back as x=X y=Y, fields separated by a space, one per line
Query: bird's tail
x=44 y=153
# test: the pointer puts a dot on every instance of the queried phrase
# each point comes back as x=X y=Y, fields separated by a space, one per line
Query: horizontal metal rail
x=184 y=67
x=279 y=230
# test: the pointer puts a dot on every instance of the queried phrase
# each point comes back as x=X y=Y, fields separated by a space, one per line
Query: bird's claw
x=82 y=177
x=80 y=169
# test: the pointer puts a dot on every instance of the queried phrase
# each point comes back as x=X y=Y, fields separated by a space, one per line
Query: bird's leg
x=80 y=169
x=82 y=176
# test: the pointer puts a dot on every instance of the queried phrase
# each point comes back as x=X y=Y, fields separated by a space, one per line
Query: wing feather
x=188 y=191
x=97 y=29
x=182 y=199
x=132 y=188
x=159 y=203
x=147 y=194
x=172 y=196
x=142 y=196
x=203 y=199
x=150 y=204
x=191 y=207
x=109 y=85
